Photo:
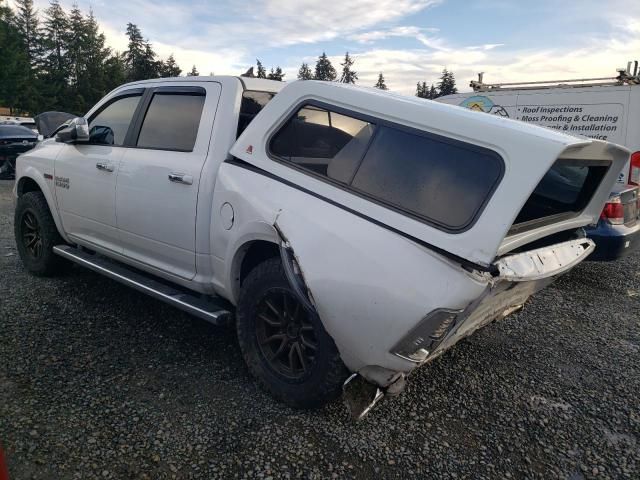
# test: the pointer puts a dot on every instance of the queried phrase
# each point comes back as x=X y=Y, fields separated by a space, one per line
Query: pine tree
x=55 y=62
x=194 y=72
x=13 y=60
x=419 y=91
x=433 y=93
x=76 y=44
x=150 y=66
x=135 y=53
x=170 y=68
x=447 y=84
x=305 y=72
x=28 y=26
x=348 y=75
x=276 y=75
x=324 y=69
x=262 y=72
x=95 y=82
x=381 y=83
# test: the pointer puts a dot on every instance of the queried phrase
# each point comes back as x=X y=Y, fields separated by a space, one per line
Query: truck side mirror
x=77 y=131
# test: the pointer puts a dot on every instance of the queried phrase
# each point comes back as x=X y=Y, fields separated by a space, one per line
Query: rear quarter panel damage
x=370 y=285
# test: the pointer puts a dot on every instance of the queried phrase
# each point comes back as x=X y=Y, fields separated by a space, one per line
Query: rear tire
x=284 y=346
x=36 y=235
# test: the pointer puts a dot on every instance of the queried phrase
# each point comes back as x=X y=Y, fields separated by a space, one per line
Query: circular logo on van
x=478 y=103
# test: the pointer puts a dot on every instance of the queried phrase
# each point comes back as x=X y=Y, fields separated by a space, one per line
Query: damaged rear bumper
x=520 y=276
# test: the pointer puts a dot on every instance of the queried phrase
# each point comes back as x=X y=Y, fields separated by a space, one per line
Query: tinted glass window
x=444 y=181
x=109 y=127
x=326 y=143
x=171 y=122
x=566 y=188
x=252 y=103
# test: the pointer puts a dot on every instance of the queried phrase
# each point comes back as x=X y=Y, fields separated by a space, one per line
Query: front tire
x=36 y=235
x=284 y=346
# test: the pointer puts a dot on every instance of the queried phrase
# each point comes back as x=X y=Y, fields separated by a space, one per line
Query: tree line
x=59 y=61
x=54 y=60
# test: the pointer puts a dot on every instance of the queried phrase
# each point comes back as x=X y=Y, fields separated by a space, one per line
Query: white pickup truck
x=355 y=233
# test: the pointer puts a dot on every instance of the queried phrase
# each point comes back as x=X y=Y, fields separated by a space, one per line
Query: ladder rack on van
x=624 y=77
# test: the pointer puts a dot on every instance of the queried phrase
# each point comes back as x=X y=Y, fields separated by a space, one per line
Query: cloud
x=404 y=68
x=226 y=35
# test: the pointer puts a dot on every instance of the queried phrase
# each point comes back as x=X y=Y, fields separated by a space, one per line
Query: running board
x=210 y=309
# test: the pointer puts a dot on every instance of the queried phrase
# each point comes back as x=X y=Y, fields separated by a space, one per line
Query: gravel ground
x=97 y=380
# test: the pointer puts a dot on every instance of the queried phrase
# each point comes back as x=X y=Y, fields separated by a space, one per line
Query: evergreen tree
x=380 y=83
x=305 y=72
x=115 y=70
x=324 y=69
x=135 y=53
x=55 y=62
x=150 y=66
x=194 y=72
x=29 y=94
x=447 y=84
x=76 y=41
x=95 y=83
x=276 y=75
x=170 y=68
x=419 y=91
x=13 y=61
x=262 y=72
x=433 y=93
x=348 y=75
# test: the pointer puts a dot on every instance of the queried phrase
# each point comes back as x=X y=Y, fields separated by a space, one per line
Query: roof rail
x=624 y=77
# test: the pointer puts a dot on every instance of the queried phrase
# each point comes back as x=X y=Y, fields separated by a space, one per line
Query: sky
x=408 y=41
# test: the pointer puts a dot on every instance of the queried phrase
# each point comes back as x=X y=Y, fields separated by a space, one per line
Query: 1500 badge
x=62 y=182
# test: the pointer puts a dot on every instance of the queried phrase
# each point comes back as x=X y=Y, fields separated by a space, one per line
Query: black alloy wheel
x=31 y=235
x=285 y=334
x=285 y=346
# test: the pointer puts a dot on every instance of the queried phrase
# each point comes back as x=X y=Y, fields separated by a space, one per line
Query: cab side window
x=172 y=121
x=110 y=125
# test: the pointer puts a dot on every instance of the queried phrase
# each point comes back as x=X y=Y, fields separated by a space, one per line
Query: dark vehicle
x=14 y=140
x=617 y=233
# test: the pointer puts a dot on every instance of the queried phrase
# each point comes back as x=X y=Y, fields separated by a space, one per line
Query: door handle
x=180 y=178
x=106 y=167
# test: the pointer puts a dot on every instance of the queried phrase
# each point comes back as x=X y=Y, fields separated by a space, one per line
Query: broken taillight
x=634 y=169
x=613 y=211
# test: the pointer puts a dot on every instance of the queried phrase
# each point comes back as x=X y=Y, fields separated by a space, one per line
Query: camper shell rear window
x=563 y=192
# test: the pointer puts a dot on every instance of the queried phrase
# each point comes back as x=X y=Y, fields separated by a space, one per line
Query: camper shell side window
x=435 y=179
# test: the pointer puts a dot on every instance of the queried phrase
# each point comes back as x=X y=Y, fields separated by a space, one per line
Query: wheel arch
x=248 y=256
x=34 y=181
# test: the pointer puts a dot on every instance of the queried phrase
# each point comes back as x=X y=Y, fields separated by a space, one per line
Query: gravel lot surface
x=99 y=381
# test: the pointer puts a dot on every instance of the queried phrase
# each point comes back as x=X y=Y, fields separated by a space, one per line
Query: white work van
x=600 y=108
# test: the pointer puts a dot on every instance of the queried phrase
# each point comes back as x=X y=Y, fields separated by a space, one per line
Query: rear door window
x=172 y=121
x=252 y=103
